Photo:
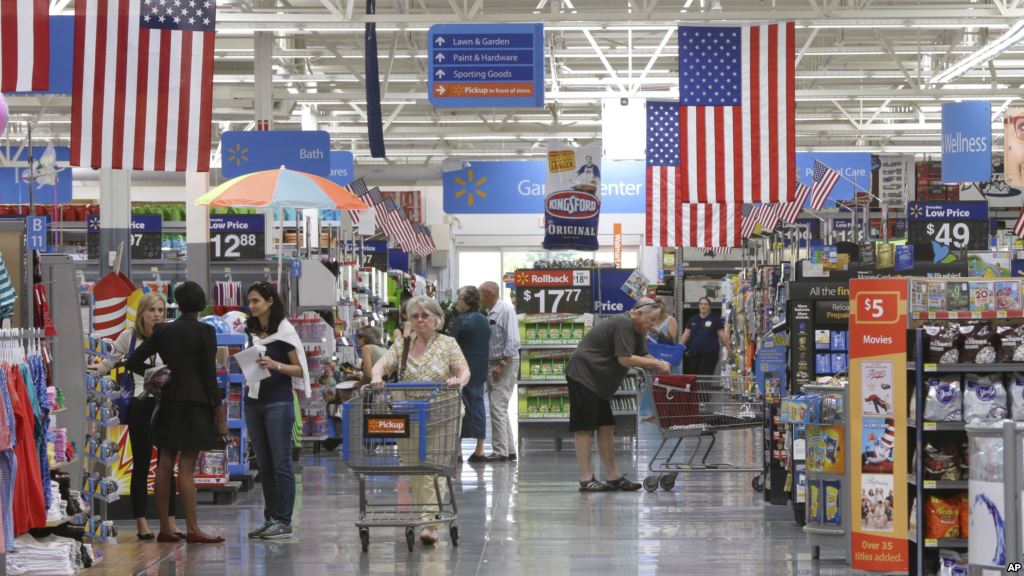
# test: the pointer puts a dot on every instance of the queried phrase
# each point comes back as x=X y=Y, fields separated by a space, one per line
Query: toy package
x=1007 y=295
x=833 y=503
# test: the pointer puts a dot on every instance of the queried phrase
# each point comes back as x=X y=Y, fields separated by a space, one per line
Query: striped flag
x=825 y=180
x=791 y=210
x=770 y=217
x=24 y=45
x=358 y=187
x=708 y=225
x=717 y=251
x=732 y=136
x=142 y=96
x=751 y=220
x=1018 y=226
x=407 y=237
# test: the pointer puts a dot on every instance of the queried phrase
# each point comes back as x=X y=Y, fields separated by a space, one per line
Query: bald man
x=503 y=365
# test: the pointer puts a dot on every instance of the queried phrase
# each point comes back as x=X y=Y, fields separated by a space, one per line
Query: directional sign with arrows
x=486 y=65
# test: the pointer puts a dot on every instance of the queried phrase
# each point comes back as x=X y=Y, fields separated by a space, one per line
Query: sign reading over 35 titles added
x=957 y=225
x=486 y=65
x=147 y=236
x=237 y=237
x=878 y=419
x=553 y=292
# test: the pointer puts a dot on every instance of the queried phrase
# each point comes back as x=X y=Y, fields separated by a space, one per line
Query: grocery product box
x=553 y=328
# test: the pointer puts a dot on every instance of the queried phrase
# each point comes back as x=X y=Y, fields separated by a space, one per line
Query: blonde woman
x=151 y=311
x=432 y=357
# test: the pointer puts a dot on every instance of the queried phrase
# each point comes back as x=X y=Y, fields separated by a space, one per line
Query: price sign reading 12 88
x=237 y=237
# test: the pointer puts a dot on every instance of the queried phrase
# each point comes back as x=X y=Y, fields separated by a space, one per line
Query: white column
x=115 y=219
x=197 y=230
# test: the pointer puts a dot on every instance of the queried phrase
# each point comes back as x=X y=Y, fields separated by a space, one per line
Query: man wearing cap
x=595 y=371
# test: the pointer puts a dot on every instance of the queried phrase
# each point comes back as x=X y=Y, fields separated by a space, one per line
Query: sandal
x=595 y=485
x=428 y=536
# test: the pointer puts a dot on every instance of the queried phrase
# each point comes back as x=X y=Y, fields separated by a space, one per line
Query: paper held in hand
x=248 y=361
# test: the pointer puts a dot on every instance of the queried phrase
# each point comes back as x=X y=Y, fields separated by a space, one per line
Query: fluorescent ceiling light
x=1010 y=38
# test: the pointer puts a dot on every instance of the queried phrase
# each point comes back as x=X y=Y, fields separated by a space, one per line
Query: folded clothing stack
x=49 y=555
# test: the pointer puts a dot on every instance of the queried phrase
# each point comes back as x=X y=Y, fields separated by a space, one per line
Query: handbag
x=156 y=380
x=397 y=376
x=126 y=386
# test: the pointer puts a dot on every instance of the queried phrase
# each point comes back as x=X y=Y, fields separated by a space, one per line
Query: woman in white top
x=151 y=311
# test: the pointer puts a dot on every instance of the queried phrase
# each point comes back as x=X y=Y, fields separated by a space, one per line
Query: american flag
x=717 y=251
x=825 y=180
x=407 y=236
x=386 y=217
x=770 y=217
x=751 y=218
x=358 y=187
x=1018 y=226
x=143 y=84
x=791 y=210
x=709 y=225
x=426 y=239
x=24 y=45
x=731 y=137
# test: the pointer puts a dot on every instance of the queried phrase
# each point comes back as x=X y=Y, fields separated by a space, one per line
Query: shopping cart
x=699 y=407
x=405 y=429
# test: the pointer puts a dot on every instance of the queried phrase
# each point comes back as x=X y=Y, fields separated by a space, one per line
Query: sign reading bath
x=246 y=152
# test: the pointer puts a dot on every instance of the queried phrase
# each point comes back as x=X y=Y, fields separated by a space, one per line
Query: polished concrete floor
x=524 y=518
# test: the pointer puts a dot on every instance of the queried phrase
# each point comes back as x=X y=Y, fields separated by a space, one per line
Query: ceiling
x=864 y=70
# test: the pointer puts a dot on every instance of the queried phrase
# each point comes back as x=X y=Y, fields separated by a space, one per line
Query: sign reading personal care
x=147 y=236
x=248 y=152
x=955 y=225
x=553 y=291
x=342 y=167
x=854 y=167
x=878 y=384
x=572 y=202
x=513 y=187
x=237 y=237
x=486 y=65
x=966 y=141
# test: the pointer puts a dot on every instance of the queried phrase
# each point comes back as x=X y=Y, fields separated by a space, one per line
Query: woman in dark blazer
x=471 y=330
x=188 y=417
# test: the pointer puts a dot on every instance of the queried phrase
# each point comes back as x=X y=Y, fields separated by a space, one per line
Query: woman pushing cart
x=413 y=430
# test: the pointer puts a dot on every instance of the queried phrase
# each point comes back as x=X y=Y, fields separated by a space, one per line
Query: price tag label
x=929 y=483
x=931 y=542
x=954 y=225
x=1001 y=314
x=877 y=307
x=147 y=237
x=237 y=237
x=930 y=426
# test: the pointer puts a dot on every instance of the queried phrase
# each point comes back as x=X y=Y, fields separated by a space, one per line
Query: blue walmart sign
x=510 y=187
x=854 y=166
x=247 y=152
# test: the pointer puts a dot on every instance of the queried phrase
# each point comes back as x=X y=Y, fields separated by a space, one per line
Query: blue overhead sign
x=486 y=65
x=342 y=167
x=246 y=152
x=966 y=142
x=147 y=224
x=374 y=247
x=947 y=210
x=609 y=297
x=854 y=167
x=237 y=223
x=15 y=190
x=511 y=187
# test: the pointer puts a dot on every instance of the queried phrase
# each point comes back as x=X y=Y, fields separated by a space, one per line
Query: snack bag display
x=833 y=506
x=1011 y=343
x=814 y=502
x=952 y=563
x=941 y=343
x=984 y=398
x=977 y=343
x=1016 y=393
x=942 y=517
x=965 y=515
x=944 y=402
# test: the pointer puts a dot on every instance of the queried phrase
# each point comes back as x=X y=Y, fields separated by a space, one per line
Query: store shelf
x=543 y=382
x=931 y=368
x=101 y=498
x=939 y=426
x=811 y=529
x=967 y=315
x=626 y=413
x=534 y=420
x=820 y=388
x=939 y=542
x=938 y=484
x=549 y=346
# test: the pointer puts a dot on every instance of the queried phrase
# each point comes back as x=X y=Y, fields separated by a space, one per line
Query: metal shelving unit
x=231 y=380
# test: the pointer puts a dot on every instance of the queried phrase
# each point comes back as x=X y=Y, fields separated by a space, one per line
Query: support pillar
x=197 y=230
x=115 y=219
x=263 y=61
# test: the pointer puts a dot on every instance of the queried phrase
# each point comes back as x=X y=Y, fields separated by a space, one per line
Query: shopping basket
x=404 y=429
x=671 y=353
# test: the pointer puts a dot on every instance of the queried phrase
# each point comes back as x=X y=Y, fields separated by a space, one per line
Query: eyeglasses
x=1017 y=123
x=419 y=316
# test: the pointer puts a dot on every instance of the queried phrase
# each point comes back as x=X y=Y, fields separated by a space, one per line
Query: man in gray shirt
x=594 y=373
x=503 y=367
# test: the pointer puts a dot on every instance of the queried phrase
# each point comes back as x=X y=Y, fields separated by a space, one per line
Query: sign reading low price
x=237 y=237
x=147 y=236
x=554 y=292
x=958 y=225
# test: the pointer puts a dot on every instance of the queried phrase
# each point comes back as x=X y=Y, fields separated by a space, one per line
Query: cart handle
x=406 y=385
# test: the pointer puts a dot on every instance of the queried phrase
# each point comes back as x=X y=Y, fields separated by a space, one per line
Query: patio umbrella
x=281 y=188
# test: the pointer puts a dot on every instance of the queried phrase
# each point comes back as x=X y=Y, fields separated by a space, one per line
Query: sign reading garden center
x=878 y=418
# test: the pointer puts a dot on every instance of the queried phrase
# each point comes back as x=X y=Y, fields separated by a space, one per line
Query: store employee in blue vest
x=704 y=336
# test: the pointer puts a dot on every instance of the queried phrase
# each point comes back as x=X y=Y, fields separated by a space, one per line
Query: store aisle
x=524 y=518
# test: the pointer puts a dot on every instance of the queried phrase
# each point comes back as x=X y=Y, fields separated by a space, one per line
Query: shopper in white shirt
x=503 y=365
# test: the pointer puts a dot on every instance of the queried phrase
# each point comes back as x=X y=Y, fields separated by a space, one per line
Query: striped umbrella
x=279 y=189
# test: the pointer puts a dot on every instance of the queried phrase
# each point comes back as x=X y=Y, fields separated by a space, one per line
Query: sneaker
x=624 y=485
x=277 y=531
x=257 y=532
x=595 y=485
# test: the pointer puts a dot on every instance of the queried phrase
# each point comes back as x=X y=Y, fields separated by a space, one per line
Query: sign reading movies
x=486 y=65
x=966 y=141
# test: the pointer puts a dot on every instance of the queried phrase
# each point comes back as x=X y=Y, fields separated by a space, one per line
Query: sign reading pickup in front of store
x=486 y=65
x=247 y=152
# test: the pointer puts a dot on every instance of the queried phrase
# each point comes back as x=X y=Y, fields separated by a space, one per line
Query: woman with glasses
x=269 y=409
x=1013 y=142
x=432 y=357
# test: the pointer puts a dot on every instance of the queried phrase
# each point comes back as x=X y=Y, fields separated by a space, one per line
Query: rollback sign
x=573 y=202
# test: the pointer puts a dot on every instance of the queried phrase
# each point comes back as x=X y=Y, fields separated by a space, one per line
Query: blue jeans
x=474 y=424
x=270 y=430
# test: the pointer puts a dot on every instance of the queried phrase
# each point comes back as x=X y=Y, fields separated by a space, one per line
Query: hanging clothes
x=29 y=505
x=8 y=464
x=8 y=297
x=33 y=368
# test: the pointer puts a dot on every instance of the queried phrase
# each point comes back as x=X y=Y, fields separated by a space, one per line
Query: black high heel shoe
x=145 y=537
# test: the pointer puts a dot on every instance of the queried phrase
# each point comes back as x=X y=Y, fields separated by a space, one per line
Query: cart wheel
x=364 y=538
x=453 y=531
x=650 y=483
x=410 y=537
x=668 y=482
x=757 y=483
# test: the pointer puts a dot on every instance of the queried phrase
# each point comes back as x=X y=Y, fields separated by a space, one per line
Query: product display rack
x=232 y=382
x=102 y=426
x=819 y=534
